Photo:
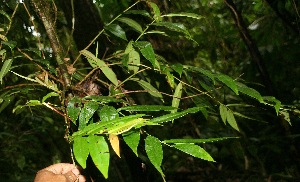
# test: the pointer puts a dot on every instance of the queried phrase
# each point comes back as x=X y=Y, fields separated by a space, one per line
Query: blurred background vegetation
x=257 y=41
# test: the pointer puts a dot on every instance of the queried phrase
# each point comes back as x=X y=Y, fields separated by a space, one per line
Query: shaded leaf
x=10 y=44
x=177 y=27
x=102 y=99
x=178 y=68
x=194 y=150
x=154 y=152
x=74 y=108
x=132 y=23
x=116 y=30
x=81 y=150
x=99 y=152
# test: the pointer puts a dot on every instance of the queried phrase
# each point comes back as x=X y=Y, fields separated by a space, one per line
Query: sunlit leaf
x=5 y=68
x=273 y=101
x=183 y=14
x=154 y=152
x=132 y=139
x=108 y=113
x=115 y=143
x=95 y=62
x=229 y=82
x=177 y=97
x=223 y=112
x=172 y=116
x=133 y=58
x=249 y=91
x=148 y=52
x=155 y=11
x=191 y=141
x=99 y=152
x=86 y=113
x=116 y=30
x=138 y=12
x=231 y=120
x=146 y=108
x=177 y=27
x=51 y=94
x=132 y=23
x=194 y=150
x=3 y=37
x=147 y=86
x=81 y=150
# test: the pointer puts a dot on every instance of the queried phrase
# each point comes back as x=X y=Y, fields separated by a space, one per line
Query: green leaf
x=147 y=86
x=10 y=44
x=148 y=52
x=146 y=108
x=116 y=30
x=183 y=14
x=95 y=62
x=5 y=68
x=172 y=116
x=273 y=101
x=177 y=27
x=154 y=152
x=86 y=113
x=207 y=73
x=130 y=22
x=5 y=14
x=99 y=152
x=74 y=108
x=223 y=112
x=132 y=139
x=231 y=120
x=3 y=37
x=138 y=12
x=191 y=141
x=177 y=97
x=133 y=58
x=81 y=150
x=104 y=127
x=122 y=127
x=229 y=82
x=102 y=99
x=249 y=91
x=178 y=68
x=51 y=94
x=155 y=11
x=194 y=150
x=108 y=113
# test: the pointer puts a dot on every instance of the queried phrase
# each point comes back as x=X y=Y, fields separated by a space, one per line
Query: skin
x=61 y=172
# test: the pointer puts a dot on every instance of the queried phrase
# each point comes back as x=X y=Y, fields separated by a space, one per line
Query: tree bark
x=46 y=12
x=251 y=46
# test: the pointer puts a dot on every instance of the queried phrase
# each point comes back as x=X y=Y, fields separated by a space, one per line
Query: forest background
x=183 y=90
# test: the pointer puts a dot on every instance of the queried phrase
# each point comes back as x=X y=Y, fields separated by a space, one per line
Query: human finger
x=71 y=177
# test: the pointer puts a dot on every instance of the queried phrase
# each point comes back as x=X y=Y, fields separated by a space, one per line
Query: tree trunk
x=253 y=50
